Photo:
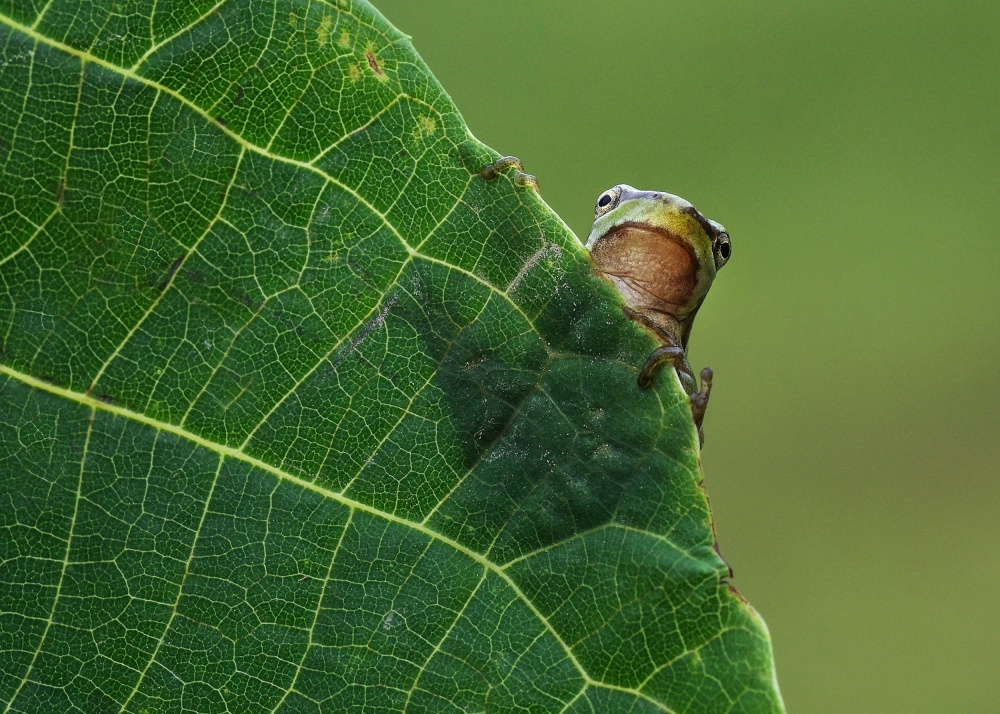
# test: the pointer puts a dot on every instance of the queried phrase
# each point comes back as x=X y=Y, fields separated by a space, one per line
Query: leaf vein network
x=227 y=451
x=246 y=145
x=65 y=563
x=237 y=453
x=180 y=587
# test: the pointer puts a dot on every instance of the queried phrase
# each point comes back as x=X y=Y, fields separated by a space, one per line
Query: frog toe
x=699 y=402
x=668 y=353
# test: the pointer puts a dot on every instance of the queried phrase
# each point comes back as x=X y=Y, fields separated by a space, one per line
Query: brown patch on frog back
x=651 y=267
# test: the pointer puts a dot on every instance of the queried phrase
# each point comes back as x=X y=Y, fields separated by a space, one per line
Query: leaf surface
x=299 y=414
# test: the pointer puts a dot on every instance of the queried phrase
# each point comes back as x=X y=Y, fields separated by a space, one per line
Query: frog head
x=660 y=252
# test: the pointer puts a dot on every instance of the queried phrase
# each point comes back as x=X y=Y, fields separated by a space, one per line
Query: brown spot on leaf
x=373 y=63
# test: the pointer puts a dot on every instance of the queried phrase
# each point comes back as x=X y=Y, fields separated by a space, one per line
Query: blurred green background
x=853 y=151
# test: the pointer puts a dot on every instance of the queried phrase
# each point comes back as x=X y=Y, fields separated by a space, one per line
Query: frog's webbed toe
x=675 y=356
x=491 y=171
x=672 y=353
x=699 y=402
x=668 y=353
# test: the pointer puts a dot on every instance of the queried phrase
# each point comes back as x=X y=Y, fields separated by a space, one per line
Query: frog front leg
x=670 y=351
x=673 y=354
x=491 y=171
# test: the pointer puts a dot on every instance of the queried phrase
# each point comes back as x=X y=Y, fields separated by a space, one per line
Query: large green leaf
x=297 y=413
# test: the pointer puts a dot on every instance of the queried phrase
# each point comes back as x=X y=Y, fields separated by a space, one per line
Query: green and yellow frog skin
x=662 y=256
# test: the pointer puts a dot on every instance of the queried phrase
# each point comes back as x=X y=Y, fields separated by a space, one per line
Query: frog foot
x=670 y=351
x=491 y=171
x=671 y=354
x=699 y=402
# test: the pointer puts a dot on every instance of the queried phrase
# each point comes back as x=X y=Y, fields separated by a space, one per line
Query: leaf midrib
x=246 y=145
x=238 y=454
x=129 y=74
x=153 y=84
x=229 y=452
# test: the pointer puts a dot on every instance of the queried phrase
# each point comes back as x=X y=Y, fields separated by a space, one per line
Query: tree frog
x=662 y=256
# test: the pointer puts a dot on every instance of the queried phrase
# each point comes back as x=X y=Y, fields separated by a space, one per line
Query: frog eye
x=607 y=200
x=723 y=248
